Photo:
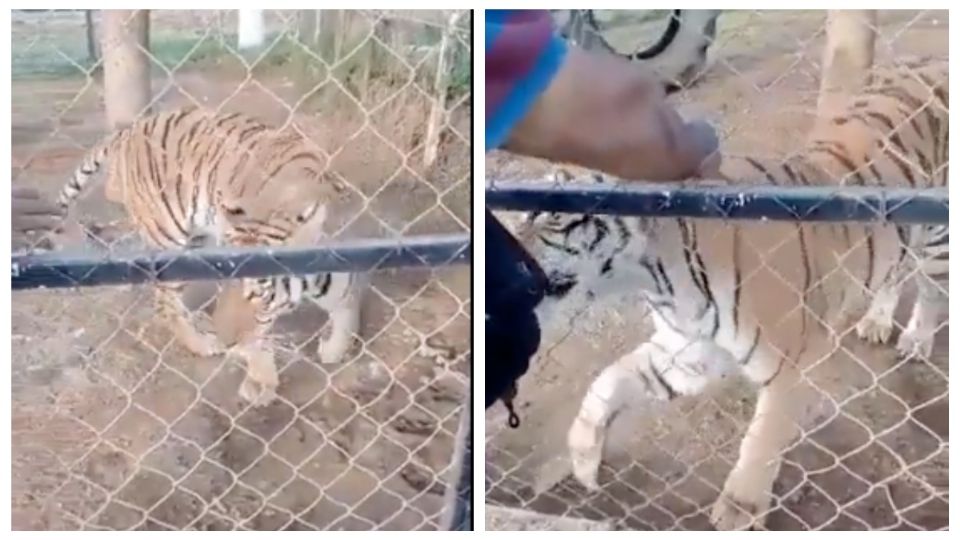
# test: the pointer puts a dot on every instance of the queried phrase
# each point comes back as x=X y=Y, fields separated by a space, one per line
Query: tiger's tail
x=91 y=164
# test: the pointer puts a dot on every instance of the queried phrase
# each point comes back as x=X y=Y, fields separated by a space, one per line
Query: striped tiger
x=766 y=298
x=190 y=178
x=899 y=106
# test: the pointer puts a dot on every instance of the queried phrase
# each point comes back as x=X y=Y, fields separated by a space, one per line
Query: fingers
x=703 y=138
x=710 y=168
x=705 y=148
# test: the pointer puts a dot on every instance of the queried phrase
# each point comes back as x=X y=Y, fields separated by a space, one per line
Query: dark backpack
x=515 y=284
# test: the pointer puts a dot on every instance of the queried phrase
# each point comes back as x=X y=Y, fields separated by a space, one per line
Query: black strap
x=514 y=419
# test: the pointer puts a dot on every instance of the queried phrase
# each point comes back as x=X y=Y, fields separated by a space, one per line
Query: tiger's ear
x=523 y=226
x=310 y=224
x=338 y=186
x=332 y=184
x=307 y=213
x=233 y=208
x=561 y=176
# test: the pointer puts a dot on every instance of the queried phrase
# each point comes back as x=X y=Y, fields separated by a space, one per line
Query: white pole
x=250 y=33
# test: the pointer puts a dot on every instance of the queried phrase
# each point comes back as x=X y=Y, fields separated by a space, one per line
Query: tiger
x=190 y=178
x=767 y=299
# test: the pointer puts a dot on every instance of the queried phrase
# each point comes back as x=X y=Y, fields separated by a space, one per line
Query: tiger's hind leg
x=172 y=309
x=259 y=386
x=342 y=302
x=660 y=369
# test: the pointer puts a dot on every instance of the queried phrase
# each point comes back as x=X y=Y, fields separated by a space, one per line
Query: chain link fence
x=115 y=424
x=873 y=453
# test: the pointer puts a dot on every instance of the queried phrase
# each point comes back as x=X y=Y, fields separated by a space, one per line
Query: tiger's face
x=248 y=226
x=557 y=244
x=577 y=251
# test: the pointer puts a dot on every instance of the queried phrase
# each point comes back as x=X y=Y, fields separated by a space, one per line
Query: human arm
x=550 y=100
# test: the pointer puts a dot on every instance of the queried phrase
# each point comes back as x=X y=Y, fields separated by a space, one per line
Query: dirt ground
x=115 y=426
x=881 y=463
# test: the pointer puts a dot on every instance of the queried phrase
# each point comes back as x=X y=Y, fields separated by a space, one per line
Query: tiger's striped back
x=896 y=134
x=893 y=133
x=191 y=176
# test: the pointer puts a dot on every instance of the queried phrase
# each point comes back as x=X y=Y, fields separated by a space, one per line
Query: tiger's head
x=578 y=252
x=251 y=225
x=286 y=223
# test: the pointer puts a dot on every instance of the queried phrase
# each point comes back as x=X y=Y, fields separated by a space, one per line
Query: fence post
x=458 y=498
x=847 y=57
x=126 y=68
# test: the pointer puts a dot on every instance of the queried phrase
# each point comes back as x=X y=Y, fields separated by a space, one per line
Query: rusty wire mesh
x=874 y=451
x=117 y=426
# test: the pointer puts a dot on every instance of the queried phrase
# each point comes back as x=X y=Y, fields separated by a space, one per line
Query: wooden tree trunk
x=438 y=111
x=454 y=518
x=126 y=67
x=329 y=34
x=847 y=57
x=92 y=53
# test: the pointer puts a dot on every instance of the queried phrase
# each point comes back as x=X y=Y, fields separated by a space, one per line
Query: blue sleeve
x=523 y=53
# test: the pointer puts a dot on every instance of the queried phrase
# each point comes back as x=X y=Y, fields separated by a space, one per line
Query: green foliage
x=61 y=52
x=461 y=77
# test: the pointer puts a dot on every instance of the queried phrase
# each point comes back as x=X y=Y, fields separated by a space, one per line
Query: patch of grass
x=37 y=63
x=67 y=58
x=460 y=63
x=170 y=49
x=461 y=78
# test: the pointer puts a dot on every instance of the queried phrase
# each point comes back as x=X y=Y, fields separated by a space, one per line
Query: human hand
x=705 y=141
x=606 y=113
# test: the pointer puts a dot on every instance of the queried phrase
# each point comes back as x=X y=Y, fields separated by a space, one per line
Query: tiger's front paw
x=204 y=345
x=258 y=393
x=874 y=329
x=259 y=387
x=743 y=505
x=585 y=442
x=332 y=351
x=915 y=344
